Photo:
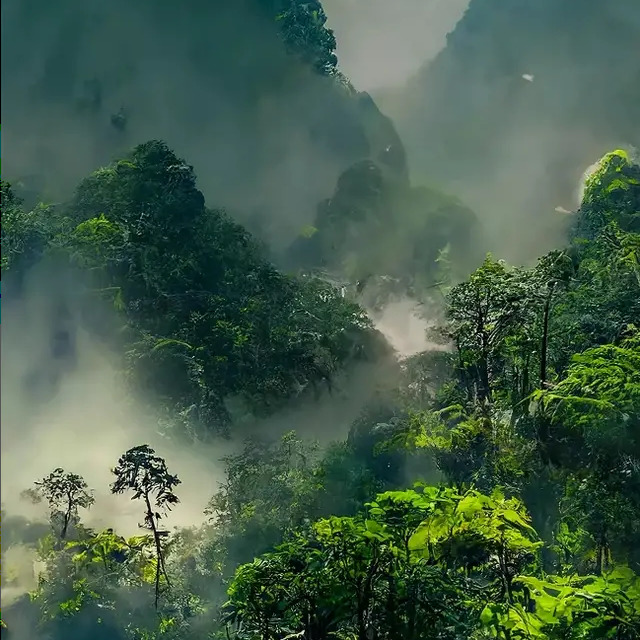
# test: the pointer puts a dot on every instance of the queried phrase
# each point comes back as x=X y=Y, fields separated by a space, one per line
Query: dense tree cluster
x=491 y=488
x=208 y=317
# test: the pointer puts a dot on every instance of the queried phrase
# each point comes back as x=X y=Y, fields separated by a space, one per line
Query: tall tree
x=140 y=470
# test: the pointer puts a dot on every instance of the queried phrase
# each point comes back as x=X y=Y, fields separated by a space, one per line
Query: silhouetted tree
x=65 y=493
x=146 y=474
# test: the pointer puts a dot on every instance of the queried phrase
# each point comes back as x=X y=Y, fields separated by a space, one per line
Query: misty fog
x=483 y=126
x=382 y=44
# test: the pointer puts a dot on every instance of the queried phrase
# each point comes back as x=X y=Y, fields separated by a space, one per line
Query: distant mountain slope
x=522 y=99
x=246 y=89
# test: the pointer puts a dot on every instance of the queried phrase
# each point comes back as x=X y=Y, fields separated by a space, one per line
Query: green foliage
x=374 y=574
x=474 y=531
x=269 y=490
x=484 y=451
x=82 y=586
x=486 y=314
x=302 y=28
x=603 y=296
x=24 y=234
x=596 y=408
x=600 y=397
x=350 y=577
x=275 y=488
x=612 y=194
x=570 y=607
x=145 y=474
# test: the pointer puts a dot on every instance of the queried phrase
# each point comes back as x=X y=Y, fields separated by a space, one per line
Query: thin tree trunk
x=67 y=517
x=156 y=539
x=545 y=336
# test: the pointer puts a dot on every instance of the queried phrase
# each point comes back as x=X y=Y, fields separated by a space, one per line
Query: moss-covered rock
x=611 y=194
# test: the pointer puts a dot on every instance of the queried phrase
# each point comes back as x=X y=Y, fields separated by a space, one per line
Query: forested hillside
x=489 y=485
x=208 y=316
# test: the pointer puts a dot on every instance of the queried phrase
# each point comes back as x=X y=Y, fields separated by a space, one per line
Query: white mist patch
x=582 y=184
x=383 y=42
x=403 y=325
x=84 y=429
x=20 y=570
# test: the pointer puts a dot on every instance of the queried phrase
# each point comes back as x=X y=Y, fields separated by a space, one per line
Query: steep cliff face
x=247 y=89
x=522 y=99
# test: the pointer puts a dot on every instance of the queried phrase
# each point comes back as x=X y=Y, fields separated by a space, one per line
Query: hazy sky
x=382 y=42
